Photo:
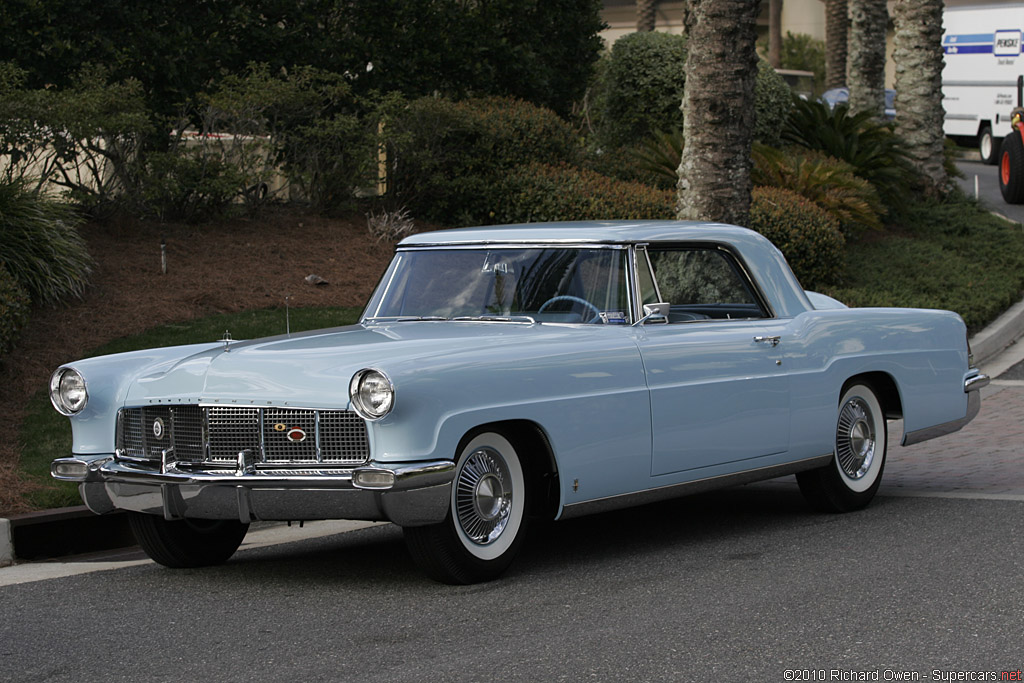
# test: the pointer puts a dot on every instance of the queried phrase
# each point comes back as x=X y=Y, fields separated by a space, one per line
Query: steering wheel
x=576 y=300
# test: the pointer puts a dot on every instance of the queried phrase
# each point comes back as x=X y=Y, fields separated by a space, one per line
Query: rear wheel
x=1011 y=169
x=988 y=146
x=486 y=516
x=851 y=480
x=187 y=542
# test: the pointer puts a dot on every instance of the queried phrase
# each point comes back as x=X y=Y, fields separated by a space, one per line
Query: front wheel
x=486 y=516
x=185 y=543
x=851 y=480
x=1011 y=169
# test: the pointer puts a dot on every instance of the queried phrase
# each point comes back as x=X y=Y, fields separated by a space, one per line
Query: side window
x=648 y=291
x=703 y=284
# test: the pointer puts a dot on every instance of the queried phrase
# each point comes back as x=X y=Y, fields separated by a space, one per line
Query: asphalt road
x=741 y=585
x=988 y=189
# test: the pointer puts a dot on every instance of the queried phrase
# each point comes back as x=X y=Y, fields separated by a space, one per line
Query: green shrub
x=948 y=254
x=642 y=87
x=40 y=245
x=638 y=91
x=871 y=147
x=14 y=303
x=772 y=102
x=449 y=157
x=186 y=184
x=805 y=53
x=306 y=122
x=84 y=139
x=828 y=182
x=542 y=192
x=806 y=234
x=653 y=162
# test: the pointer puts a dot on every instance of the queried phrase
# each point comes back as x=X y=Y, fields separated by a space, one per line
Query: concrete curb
x=999 y=334
x=63 y=531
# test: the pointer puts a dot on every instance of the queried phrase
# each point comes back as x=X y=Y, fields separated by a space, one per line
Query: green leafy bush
x=544 y=192
x=641 y=87
x=805 y=53
x=14 y=302
x=638 y=91
x=772 y=101
x=950 y=254
x=450 y=157
x=40 y=245
x=868 y=145
x=828 y=182
x=185 y=184
x=84 y=139
x=806 y=234
x=306 y=122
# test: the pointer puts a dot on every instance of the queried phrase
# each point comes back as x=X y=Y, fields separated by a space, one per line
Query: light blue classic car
x=510 y=373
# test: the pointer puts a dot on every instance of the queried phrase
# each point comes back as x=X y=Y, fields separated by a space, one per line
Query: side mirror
x=655 y=313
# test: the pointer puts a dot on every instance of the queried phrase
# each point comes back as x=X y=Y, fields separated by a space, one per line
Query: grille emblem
x=158 y=428
x=296 y=434
x=280 y=427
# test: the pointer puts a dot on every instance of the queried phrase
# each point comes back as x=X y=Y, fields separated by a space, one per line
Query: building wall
x=798 y=16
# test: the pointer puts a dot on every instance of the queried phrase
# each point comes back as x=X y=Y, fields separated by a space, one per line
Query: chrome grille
x=232 y=430
x=342 y=436
x=216 y=434
x=289 y=435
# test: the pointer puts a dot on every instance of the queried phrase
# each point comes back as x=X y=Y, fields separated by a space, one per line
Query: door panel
x=717 y=396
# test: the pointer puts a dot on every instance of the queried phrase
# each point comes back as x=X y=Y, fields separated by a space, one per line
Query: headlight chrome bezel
x=62 y=383
x=358 y=388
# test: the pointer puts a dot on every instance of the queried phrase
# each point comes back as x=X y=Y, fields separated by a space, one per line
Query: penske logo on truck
x=1001 y=43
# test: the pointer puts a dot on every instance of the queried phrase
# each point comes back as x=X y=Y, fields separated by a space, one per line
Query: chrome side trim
x=972 y=387
x=690 y=487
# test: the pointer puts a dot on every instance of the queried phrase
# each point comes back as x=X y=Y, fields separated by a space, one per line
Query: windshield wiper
x=404 y=318
x=495 y=318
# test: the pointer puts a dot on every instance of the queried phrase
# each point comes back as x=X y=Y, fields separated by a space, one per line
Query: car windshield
x=568 y=285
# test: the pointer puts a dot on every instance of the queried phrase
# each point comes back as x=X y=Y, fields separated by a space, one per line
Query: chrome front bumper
x=408 y=494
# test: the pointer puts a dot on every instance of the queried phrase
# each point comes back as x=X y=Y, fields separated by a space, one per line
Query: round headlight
x=372 y=394
x=68 y=392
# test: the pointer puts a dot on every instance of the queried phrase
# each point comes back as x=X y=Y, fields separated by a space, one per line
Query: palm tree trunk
x=917 y=53
x=775 y=33
x=646 y=17
x=836 y=22
x=718 y=110
x=865 y=68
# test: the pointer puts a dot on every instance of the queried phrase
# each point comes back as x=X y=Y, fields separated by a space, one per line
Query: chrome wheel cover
x=483 y=496
x=855 y=439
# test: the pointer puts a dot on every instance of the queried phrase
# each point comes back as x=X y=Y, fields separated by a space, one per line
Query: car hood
x=314 y=369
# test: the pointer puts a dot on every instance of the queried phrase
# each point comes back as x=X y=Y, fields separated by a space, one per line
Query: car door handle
x=774 y=341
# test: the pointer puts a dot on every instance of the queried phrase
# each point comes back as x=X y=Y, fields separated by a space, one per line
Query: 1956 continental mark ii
x=509 y=373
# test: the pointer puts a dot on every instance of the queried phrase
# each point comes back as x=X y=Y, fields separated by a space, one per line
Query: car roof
x=582 y=232
x=764 y=261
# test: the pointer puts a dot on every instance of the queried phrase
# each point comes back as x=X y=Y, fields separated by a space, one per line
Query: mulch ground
x=214 y=268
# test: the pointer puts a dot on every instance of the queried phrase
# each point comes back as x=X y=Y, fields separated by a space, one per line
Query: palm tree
x=836 y=22
x=775 y=33
x=917 y=53
x=718 y=110
x=646 y=17
x=865 y=53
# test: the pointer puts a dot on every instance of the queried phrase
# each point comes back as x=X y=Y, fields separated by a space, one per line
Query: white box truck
x=982 y=46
